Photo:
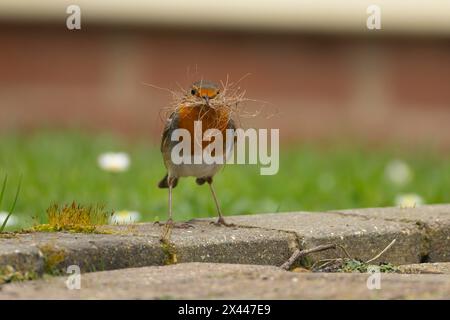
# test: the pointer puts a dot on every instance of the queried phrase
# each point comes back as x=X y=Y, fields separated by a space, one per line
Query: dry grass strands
x=347 y=264
x=230 y=102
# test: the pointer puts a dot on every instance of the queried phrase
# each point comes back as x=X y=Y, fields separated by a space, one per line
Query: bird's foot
x=183 y=225
x=167 y=231
x=171 y=224
x=221 y=222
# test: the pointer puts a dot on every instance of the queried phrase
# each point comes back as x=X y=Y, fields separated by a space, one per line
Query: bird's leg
x=170 y=180
x=169 y=223
x=221 y=220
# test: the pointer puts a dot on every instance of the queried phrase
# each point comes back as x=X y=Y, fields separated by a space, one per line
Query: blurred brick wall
x=318 y=86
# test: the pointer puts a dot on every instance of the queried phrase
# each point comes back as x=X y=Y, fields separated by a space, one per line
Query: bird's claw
x=183 y=225
x=221 y=222
x=172 y=224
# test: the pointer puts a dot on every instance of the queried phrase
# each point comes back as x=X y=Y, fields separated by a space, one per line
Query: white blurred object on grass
x=114 y=161
x=408 y=200
x=398 y=172
x=125 y=217
x=12 y=221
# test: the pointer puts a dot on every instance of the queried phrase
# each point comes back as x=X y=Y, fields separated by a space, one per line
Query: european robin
x=202 y=93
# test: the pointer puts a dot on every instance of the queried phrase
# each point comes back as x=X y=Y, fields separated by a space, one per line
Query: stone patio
x=241 y=261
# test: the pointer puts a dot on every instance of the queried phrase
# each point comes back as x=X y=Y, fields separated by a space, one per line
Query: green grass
x=62 y=167
x=11 y=210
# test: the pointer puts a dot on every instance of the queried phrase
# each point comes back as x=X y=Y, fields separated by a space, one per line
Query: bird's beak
x=206 y=100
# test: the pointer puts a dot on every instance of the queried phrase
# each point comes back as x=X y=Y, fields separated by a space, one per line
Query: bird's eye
x=193 y=92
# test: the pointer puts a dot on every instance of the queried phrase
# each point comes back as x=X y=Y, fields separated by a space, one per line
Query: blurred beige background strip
x=407 y=17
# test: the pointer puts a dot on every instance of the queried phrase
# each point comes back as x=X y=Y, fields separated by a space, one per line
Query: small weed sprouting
x=75 y=218
x=353 y=265
x=13 y=206
x=348 y=265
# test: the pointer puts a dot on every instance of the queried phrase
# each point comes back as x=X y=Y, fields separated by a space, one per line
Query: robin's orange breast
x=210 y=119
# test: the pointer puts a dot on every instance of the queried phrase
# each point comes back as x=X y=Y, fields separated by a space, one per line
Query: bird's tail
x=165 y=184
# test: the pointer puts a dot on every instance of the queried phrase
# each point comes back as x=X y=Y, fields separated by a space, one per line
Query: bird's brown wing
x=232 y=125
x=171 y=124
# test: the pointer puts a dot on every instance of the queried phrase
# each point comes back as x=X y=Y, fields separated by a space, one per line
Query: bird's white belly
x=193 y=170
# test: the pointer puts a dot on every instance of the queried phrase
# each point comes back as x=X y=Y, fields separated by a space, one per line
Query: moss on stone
x=169 y=251
x=69 y=228
x=53 y=256
x=8 y=235
x=75 y=218
x=8 y=274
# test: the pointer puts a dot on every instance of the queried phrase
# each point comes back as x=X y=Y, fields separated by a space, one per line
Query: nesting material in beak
x=206 y=100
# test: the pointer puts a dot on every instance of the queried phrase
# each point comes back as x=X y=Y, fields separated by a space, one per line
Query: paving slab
x=422 y=235
x=230 y=281
x=434 y=268
x=23 y=257
x=432 y=220
x=361 y=237
x=206 y=242
x=140 y=245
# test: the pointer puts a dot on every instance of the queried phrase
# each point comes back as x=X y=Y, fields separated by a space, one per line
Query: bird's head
x=205 y=90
